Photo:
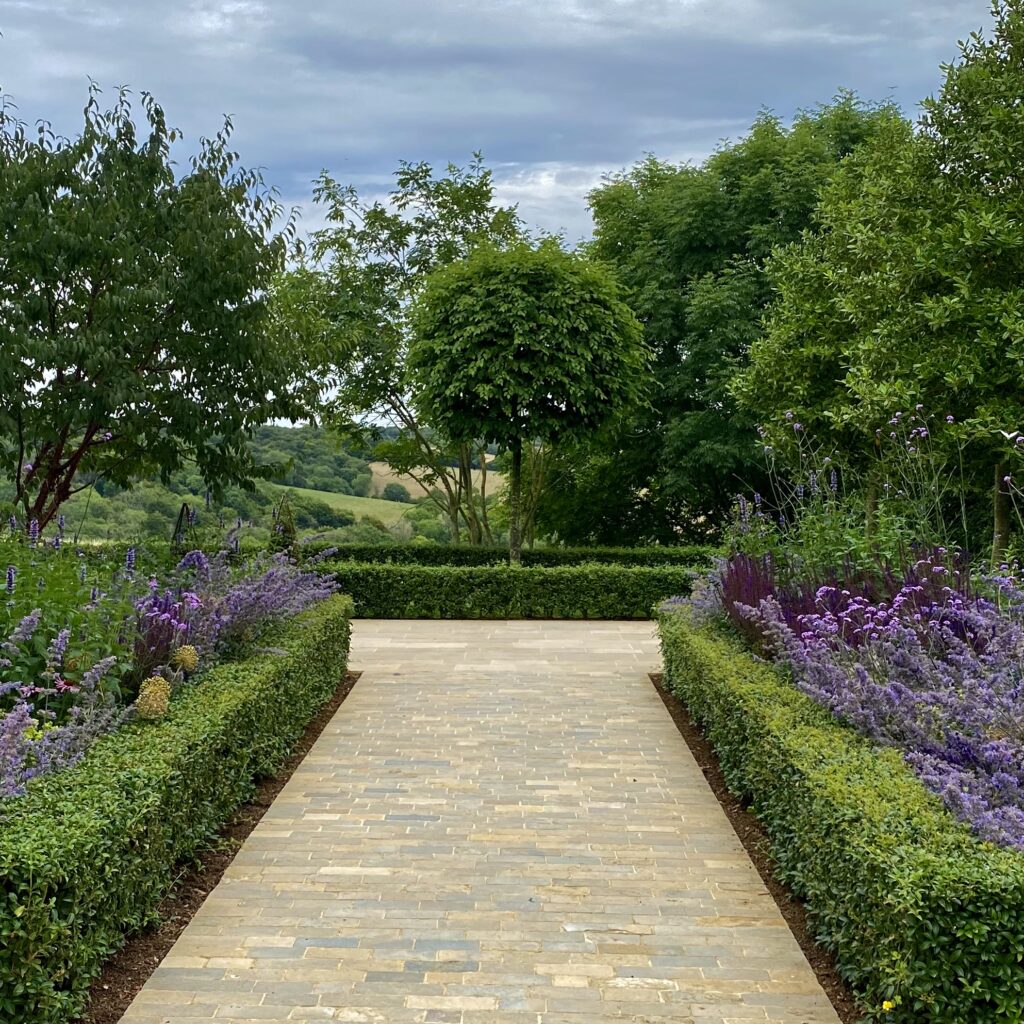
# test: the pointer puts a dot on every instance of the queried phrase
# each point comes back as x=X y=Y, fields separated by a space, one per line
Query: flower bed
x=502 y=592
x=927 y=922
x=917 y=662
x=90 y=644
x=86 y=855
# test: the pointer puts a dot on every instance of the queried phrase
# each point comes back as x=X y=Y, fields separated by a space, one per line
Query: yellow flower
x=186 y=658
x=154 y=698
x=888 y=1005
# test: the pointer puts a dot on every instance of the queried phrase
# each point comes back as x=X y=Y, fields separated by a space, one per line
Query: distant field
x=383 y=475
x=388 y=512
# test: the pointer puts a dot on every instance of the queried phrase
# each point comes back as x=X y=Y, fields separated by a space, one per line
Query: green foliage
x=309 y=456
x=370 y=264
x=438 y=554
x=87 y=855
x=134 y=334
x=524 y=345
x=689 y=244
x=918 y=912
x=397 y=492
x=911 y=291
x=283 y=534
x=403 y=591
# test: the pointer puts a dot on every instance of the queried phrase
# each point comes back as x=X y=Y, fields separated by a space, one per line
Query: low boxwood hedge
x=86 y=856
x=452 y=554
x=501 y=592
x=920 y=914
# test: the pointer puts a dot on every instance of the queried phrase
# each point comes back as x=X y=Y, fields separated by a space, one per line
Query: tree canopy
x=690 y=243
x=352 y=299
x=911 y=291
x=524 y=344
x=133 y=312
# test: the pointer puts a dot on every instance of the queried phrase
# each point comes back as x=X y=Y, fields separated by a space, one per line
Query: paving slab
x=500 y=825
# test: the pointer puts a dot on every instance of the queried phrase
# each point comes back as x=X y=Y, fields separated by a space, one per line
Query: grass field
x=388 y=512
x=383 y=475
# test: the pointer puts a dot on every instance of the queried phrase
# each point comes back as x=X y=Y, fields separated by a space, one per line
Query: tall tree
x=526 y=345
x=133 y=316
x=912 y=292
x=367 y=267
x=690 y=244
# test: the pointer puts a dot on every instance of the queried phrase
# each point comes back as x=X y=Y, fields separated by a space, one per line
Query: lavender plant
x=81 y=634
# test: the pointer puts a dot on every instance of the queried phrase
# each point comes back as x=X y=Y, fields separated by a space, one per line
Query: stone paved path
x=500 y=826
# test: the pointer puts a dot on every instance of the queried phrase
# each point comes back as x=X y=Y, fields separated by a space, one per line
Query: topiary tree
x=524 y=344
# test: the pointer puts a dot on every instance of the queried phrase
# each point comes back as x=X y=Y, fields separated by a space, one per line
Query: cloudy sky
x=554 y=92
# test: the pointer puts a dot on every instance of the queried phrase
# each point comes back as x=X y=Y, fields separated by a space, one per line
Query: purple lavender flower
x=195 y=562
x=61 y=522
x=26 y=629
x=33 y=533
x=129 y=561
x=58 y=648
x=919 y=663
x=11 y=575
x=12 y=522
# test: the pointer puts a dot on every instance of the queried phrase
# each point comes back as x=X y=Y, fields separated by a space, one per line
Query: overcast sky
x=554 y=92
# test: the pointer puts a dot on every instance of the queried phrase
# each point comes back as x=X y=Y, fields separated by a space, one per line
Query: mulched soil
x=128 y=970
x=755 y=841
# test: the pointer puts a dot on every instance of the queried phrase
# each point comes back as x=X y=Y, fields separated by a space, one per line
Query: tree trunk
x=515 y=540
x=484 y=521
x=1000 y=515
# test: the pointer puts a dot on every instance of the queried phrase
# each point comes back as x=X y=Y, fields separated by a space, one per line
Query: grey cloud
x=553 y=91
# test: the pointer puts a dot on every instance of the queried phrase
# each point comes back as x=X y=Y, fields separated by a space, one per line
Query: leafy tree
x=912 y=292
x=353 y=300
x=690 y=243
x=133 y=313
x=397 y=492
x=524 y=345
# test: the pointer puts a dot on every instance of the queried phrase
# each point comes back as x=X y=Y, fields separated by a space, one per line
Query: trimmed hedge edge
x=87 y=855
x=503 y=592
x=553 y=557
x=919 y=913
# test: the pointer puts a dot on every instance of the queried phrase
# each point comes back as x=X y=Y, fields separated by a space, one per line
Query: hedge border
x=87 y=855
x=385 y=591
x=464 y=555
x=918 y=911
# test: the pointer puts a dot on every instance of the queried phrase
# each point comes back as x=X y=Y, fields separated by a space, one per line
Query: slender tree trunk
x=1000 y=514
x=472 y=516
x=515 y=540
x=484 y=521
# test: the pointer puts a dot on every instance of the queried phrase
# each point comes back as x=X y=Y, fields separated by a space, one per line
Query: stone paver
x=500 y=826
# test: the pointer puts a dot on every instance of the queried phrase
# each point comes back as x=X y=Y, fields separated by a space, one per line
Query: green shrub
x=86 y=856
x=918 y=912
x=501 y=592
x=452 y=554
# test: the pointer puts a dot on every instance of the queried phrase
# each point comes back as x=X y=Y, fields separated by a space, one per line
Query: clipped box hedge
x=502 y=592
x=453 y=554
x=87 y=855
x=918 y=912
